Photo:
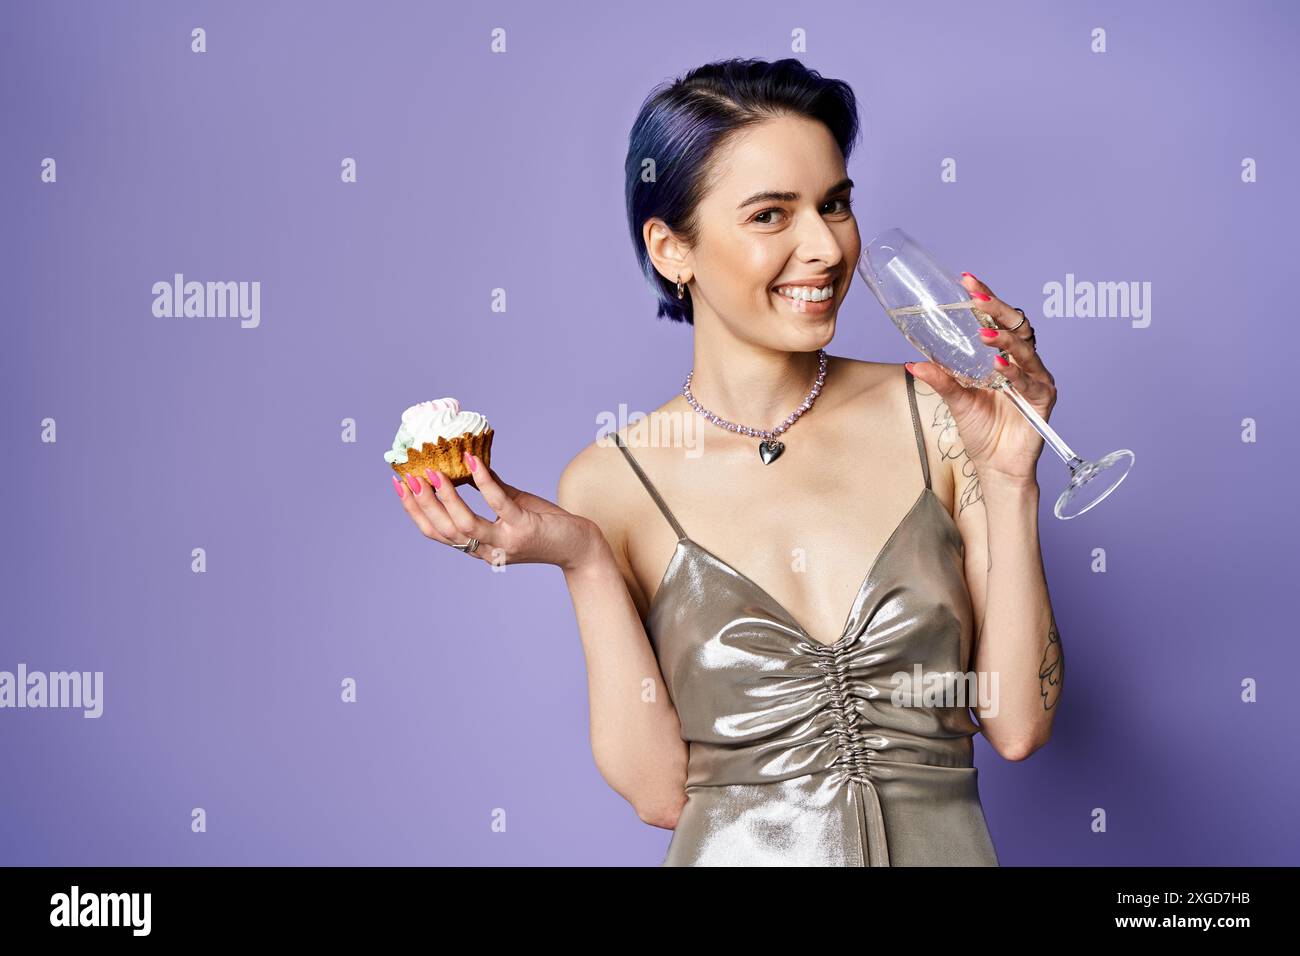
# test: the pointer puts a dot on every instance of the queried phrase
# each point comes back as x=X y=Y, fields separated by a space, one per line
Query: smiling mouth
x=830 y=285
x=805 y=304
x=821 y=294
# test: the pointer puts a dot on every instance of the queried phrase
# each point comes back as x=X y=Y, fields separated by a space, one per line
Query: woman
x=743 y=673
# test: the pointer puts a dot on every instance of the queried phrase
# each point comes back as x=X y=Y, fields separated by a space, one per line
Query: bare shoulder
x=952 y=475
x=585 y=485
x=599 y=484
x=859 y=382
x=943 y=442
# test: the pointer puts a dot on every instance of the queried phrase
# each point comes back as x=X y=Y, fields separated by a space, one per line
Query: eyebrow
x=773 y=196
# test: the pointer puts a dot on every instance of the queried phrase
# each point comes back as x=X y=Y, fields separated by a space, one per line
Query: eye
x=847 y=205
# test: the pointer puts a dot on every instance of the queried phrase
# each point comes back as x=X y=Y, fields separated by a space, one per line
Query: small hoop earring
x=680 y=293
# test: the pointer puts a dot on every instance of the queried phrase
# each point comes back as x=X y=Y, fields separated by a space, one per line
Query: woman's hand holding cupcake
x=438 y=447
x=527 y=529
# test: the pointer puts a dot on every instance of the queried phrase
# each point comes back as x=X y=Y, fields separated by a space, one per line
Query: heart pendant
x=770 y=450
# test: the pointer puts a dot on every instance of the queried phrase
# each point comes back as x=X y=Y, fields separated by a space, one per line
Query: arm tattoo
x=951 y=448
x=1051 y=670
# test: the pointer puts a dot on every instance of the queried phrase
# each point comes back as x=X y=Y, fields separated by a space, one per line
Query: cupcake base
x=448 y=456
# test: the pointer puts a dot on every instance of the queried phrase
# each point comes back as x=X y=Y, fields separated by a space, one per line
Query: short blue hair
x=683 y=122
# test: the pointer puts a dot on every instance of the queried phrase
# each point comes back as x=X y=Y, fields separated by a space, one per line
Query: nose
x=817 y=243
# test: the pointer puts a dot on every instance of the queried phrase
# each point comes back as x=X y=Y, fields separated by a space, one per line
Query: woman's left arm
x=1017 y=637
x=1017 y=645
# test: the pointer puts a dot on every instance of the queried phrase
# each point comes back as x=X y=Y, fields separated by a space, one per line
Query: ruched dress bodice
x=801 y=752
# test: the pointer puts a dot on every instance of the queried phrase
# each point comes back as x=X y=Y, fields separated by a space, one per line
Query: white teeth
x=806 y=293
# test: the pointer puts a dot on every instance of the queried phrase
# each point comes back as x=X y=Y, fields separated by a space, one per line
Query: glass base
x=1092 y=481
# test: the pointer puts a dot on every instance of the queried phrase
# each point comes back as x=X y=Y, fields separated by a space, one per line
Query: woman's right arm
x=635 y=732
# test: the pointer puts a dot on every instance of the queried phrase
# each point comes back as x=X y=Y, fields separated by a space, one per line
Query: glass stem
x=1054 y=441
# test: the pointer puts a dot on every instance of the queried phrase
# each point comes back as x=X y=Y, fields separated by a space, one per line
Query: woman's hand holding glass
x=999 y=440
x=932 y=312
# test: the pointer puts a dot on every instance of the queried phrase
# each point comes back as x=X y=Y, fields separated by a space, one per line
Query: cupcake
x=436 y=435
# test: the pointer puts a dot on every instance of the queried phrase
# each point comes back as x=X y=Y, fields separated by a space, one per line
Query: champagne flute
x=939 y=317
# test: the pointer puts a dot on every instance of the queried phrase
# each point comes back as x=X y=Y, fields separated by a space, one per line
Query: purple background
x=480 y=171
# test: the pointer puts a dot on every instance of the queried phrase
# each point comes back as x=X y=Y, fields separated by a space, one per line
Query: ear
x=670 y=256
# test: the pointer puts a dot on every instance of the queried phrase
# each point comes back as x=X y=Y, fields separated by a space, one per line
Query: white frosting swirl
x=429 y=421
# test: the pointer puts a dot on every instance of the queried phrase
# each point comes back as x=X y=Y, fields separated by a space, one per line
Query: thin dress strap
x=916 y=425
x=649 y=486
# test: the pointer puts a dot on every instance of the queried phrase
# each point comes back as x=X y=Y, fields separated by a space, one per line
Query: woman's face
x=778 y=215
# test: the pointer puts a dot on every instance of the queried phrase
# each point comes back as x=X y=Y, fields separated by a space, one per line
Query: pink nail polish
x=399 y=487
x=967 y=274
x=1001 y=361
x=989 y=333
x=981 y=296
x=414 y=483
x=473 y=462
x=434 y=478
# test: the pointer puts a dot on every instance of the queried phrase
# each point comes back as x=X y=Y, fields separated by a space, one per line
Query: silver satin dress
x=798 y=757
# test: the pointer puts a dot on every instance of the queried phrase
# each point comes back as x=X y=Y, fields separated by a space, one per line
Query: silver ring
x=469 y=547
x=1032 y=337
